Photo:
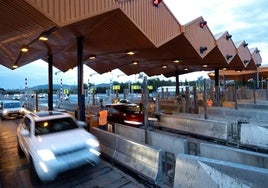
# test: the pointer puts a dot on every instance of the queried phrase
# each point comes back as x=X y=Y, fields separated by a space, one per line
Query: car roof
x=45 y=115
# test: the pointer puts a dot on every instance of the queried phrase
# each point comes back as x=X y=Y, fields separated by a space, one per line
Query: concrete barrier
x=142 y=159
x=130 y=132
x=196 y=126
x=233 y=115
x=192 y=171
x=254 y=135
x=108 y=141
x=235 y=155
x=167 y=142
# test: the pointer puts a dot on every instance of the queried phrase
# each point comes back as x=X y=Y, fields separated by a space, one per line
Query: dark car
x=126 y=113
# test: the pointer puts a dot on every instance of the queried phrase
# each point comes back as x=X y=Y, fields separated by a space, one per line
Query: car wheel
x=33 y=175
x=20 y=152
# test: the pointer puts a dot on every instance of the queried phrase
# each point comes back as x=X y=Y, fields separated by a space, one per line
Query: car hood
x=64 y=141
x=13 y=109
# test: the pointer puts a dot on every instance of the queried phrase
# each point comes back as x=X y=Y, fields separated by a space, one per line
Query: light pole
x=93 y=92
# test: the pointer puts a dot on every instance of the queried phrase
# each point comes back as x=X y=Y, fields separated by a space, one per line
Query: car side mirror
x=25 y=133
x=81 y=124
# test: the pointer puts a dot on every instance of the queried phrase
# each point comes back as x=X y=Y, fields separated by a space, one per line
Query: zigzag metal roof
x=110 y=28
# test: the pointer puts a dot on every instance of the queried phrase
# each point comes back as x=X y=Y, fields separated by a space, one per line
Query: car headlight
x=46 y=155
x=4 y=111
x=93 y=142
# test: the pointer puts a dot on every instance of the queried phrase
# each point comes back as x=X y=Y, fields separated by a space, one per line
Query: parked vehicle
x=127 y=113
x=10 y=109
x=16 y=97
x=54 y=142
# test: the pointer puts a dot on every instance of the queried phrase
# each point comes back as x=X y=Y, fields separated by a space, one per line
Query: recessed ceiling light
x=43 y=38
x=176 y=61
x=131 y=52
x=15 y=66
x=92 y=57
x=24 y=49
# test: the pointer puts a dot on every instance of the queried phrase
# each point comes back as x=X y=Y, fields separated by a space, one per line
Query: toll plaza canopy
x=110 y=29
x=241 y=75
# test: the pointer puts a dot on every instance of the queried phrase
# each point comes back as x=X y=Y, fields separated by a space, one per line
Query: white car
x=54 y=142
x=11 y=109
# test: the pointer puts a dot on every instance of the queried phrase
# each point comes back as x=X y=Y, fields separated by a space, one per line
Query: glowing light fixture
x=131 y=52
x=43 y=38
x=135 y=62
x=176 y=61
x=92 y=57
x=24 y=49
x=204 y=65
x=185 y=68
x=164 y=66
x=15 y=66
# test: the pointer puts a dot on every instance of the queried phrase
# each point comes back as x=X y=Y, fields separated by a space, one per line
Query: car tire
x=20 y=152
x=33 y=174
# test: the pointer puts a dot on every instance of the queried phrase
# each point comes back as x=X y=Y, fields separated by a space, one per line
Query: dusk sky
x=243 y=19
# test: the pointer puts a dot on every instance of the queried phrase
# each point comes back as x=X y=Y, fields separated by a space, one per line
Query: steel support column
x=81 y=92
x=50 y=83
x=217 y=92
x=177 y=84
x=256 y=80
x=145 y=107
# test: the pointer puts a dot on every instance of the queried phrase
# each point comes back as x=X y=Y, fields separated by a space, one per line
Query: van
x=10 y=109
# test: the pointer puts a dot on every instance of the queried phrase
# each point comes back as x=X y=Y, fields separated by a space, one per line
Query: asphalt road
x=14 y=171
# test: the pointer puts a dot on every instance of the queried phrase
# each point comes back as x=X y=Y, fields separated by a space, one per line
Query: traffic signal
x=157 y=2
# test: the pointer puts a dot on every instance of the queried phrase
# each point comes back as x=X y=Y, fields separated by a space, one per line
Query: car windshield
x=11 y=105
x=54 y=125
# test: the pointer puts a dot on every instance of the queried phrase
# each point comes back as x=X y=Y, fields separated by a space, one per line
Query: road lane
x=14 y=170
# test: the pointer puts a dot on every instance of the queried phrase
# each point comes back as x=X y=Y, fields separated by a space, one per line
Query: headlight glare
x=93 y=142
x=46 y=155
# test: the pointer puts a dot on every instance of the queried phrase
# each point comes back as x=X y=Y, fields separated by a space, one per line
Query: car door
x=26 y=127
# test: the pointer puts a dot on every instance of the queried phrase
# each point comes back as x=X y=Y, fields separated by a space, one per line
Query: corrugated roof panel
x=201 y=38
x=157 y=23
x=64 y=12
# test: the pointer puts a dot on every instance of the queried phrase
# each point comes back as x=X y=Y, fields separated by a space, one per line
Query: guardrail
x=142 y=159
